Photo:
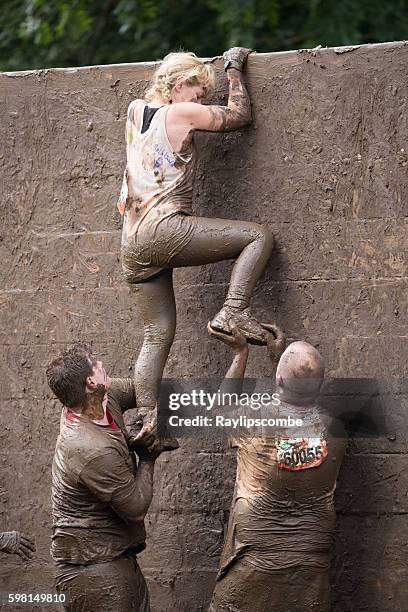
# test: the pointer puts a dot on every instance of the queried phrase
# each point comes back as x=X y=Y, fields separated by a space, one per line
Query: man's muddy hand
x=236 y=341
x=146 y=429
x=144 y=442
x=236 y=58
x=275 y=341
x=148 y=452
x=16 y=543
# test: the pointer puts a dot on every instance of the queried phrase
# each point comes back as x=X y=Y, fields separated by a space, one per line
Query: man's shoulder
x=121 y=393
x=82 y=443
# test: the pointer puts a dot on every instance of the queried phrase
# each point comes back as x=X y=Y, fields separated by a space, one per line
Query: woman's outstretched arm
x=217 y=118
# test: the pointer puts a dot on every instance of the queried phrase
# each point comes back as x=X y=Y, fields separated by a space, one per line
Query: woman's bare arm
x=215 y=118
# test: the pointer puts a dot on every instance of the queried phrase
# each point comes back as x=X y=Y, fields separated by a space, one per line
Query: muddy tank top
x=156 y=177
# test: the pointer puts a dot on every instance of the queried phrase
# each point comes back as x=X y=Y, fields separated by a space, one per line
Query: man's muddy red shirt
x=93 y=485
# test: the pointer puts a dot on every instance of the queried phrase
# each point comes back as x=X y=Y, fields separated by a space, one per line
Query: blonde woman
x=160 y=231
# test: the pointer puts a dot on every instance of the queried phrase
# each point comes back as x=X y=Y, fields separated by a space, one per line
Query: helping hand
x=276 y=341
x=236 y=341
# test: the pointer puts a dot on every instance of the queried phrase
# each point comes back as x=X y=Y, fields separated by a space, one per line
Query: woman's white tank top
x=156 y=177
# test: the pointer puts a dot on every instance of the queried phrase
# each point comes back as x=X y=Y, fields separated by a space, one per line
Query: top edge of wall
x=280 y=55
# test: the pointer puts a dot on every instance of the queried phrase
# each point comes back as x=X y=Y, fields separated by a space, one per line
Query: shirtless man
x=99 y=496
x=276 y=555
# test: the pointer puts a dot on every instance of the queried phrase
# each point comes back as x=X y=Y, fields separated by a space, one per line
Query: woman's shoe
x=250 y=327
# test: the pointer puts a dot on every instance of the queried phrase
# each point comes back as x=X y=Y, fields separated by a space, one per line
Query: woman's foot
x=253 y=331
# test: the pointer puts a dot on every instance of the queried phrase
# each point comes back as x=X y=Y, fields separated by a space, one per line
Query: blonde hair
x=176 y=67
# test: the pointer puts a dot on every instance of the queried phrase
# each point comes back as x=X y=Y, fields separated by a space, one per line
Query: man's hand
x=236 y=341
x=14 y=542
x=144 y=433
x=147 y=433
x=145 y=444
x=141 y=425
x=148 y=453
x=276 y=342
x=236 y=58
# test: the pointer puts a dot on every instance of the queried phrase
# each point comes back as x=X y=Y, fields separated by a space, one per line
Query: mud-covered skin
x=99 y=500
x=15 y=543
x=237 y=114
x=113 y=586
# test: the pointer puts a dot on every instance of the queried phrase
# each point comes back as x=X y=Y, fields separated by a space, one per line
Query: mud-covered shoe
x=250 y=327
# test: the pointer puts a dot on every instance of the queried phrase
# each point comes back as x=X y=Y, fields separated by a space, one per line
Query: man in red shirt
x=100 y=494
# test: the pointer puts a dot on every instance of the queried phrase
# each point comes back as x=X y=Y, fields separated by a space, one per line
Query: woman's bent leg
x=219 y=239
x=209 y=241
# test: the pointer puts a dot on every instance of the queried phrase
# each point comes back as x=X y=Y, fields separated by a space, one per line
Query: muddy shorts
x=113 y=586
x=156 y=242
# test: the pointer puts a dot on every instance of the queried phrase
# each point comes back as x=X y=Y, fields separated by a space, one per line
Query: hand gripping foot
x=254 y=331
x=142 y=429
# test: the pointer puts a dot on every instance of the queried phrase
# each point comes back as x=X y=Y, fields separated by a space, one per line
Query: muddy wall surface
x=324 y=164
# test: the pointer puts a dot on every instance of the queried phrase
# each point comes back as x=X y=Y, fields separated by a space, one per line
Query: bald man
x=276 y=554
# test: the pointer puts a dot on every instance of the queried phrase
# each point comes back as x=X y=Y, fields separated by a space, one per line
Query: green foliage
x=44 y=33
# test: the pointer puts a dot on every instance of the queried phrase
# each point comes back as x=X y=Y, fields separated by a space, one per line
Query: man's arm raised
x=238 y=343
x=276 y=342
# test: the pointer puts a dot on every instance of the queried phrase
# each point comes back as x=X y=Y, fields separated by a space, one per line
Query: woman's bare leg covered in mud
x=220 y=239
x=157 y=309
x=212 y=240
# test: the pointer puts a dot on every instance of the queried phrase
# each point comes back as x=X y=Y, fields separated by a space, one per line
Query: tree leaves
x=44 y=33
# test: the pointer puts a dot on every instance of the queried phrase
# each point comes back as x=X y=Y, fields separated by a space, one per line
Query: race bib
x=300 y=453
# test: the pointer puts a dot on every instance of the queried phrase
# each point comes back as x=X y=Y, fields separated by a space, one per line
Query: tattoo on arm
x=237 y=113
